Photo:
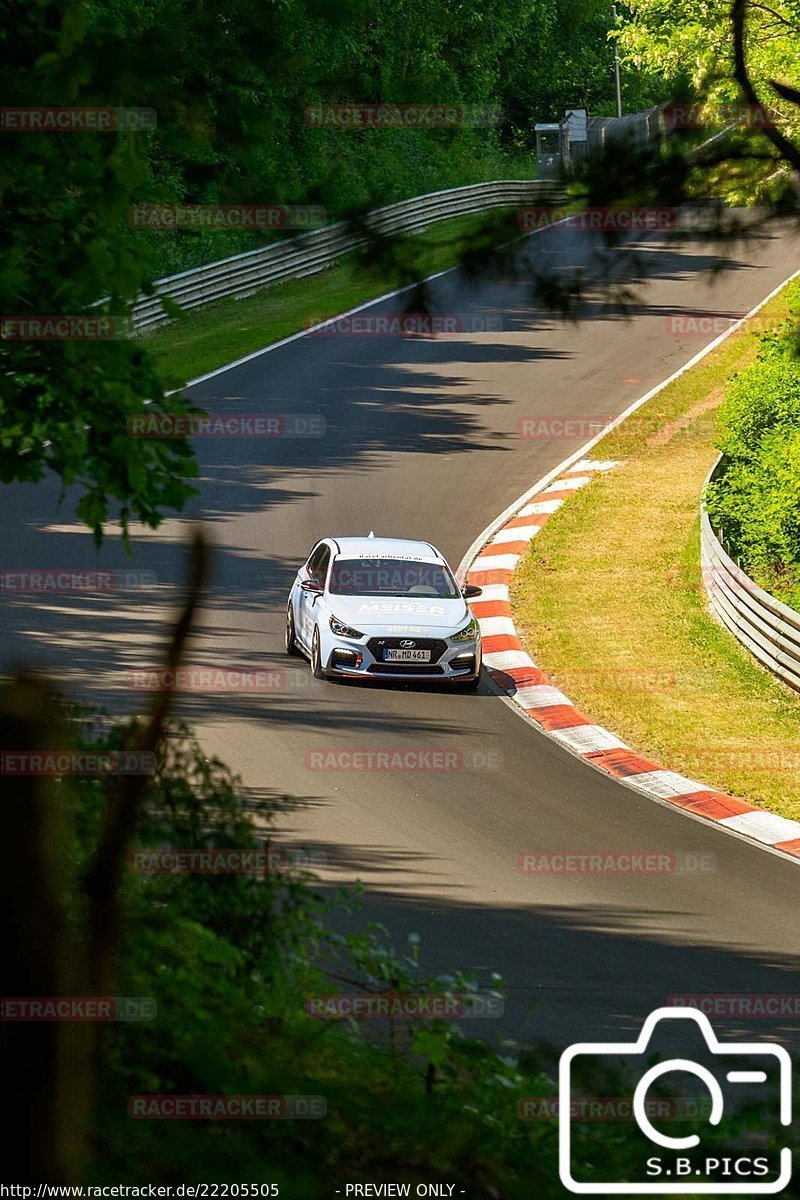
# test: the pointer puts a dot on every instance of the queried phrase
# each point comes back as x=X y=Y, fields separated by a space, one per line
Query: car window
x=322 y=566
x=315 y=559
x=391 y=577
x=318 y=563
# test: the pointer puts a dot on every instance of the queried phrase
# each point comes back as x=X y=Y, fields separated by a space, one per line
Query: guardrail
x=768 y=628
x=244 y=274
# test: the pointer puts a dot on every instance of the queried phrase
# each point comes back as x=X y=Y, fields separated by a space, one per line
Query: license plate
x=406 y=656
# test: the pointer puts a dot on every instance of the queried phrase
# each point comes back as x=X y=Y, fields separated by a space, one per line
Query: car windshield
x=391 y=577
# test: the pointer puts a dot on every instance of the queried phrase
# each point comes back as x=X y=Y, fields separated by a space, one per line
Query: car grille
x=437 y=647
x=405 y=669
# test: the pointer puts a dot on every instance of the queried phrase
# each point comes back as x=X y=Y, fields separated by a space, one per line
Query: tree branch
x=126 y=799
x=778 y=16
x=789 y=151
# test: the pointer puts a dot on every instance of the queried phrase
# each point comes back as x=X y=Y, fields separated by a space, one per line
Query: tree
x=737 y=63
x=229 y=90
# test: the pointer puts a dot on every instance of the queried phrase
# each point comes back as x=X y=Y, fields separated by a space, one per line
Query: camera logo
x=684 y=1166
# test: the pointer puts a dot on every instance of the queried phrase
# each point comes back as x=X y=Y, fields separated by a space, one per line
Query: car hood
x=423 y=612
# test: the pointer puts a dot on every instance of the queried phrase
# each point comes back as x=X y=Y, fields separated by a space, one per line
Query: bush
x=755 y=502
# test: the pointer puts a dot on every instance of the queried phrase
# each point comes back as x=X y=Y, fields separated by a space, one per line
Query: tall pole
x=616 y=66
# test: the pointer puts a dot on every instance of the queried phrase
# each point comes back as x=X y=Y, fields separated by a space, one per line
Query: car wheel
x=291 y=640
x=316 y=657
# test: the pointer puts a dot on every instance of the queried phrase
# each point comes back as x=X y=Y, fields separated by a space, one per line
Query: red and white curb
x=511 y=668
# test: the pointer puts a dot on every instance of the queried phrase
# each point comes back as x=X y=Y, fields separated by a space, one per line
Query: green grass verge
x=219 y=333
x=610 y=602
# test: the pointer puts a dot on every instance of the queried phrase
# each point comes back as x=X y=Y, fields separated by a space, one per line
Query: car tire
x=316 y=657
x=290 y=639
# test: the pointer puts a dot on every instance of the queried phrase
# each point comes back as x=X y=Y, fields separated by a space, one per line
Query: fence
x=640 y=128
x=769 y=629
x=308 y=253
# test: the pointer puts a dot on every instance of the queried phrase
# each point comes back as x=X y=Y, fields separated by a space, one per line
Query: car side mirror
x=470 y=590
x=313 y=586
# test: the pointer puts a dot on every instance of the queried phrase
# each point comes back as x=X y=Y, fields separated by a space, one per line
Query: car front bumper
x=360 y=660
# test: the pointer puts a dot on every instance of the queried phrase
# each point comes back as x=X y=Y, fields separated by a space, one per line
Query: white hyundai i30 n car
x=383 y=608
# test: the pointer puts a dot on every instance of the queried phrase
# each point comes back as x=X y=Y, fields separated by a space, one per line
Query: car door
x=316 y=568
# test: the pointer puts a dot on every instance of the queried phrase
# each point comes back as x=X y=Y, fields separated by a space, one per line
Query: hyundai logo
x=407 y=645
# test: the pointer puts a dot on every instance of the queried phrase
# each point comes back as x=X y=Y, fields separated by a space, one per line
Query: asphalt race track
x=422 y=442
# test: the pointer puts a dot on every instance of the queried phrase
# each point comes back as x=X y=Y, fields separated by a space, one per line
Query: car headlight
x=467 y=634
x=342 y=630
